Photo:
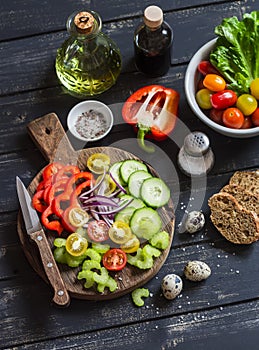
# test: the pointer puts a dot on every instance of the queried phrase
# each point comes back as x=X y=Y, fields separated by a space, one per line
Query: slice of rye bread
x=235 y=223
x=249 y=180
x=246 y=199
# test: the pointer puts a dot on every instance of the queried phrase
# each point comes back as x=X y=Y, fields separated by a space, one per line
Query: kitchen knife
x=36 y=233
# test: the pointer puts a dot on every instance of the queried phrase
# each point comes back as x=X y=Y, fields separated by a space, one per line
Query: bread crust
x=249 y=180
x=234 y=222
x=246 y=199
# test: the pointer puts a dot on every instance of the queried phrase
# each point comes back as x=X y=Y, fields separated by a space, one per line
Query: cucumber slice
x=115 y=172
x=145 y=222
x=125 y=214
x=130 y=166
x=135 y=181
x=136 y=203
x=155 y=192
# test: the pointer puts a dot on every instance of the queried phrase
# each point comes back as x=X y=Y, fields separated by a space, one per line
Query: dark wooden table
x=219 y=313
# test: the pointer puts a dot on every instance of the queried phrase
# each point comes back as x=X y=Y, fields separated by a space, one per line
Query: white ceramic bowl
x=190 y=85
x=95 y=125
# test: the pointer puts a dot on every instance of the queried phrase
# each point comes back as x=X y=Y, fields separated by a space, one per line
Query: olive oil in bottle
x=152 y=43
x=89 y=62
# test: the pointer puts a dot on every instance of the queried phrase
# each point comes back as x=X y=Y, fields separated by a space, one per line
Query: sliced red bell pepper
x=38 y=201
x=79 y=189
x=153 y=111
x=60 y=203
x=66 y=198
x=65 y=220
x=54 y=190
x=51 y=170
x=76 y=179
x=53 y=225
x=66 y=171
x=44 y=184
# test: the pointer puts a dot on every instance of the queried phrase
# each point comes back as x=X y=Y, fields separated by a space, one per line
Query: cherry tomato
x=205 y=67
x=203 y=98
x=98 y=163
x=77 y=216
x=246 y=103
x=233 y=118
x=76 y=245
x=255 y=117
x=120 y=232
x=114 y=259
x=223 y=99
x=131 y=246
x=214 y=82
x=254 y=88
x=216 y=115
x=247 y=123
x=97 y=230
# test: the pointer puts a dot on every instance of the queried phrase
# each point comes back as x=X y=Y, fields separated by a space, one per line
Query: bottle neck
x=74 y=28
x=153 y=29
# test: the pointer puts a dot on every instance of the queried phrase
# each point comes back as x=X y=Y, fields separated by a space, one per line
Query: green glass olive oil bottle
x=89 y=62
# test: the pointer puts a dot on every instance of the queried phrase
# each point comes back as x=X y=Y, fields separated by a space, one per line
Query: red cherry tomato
x=205 y=67
x=98 y=231
x=223 y=99
x=247 y=123
x=214 y=82
x=216 y=115
x=255 y=117
x=233 y=118
x=114 y=259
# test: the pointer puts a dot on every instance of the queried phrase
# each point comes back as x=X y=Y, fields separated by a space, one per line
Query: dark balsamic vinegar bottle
x=152 y=43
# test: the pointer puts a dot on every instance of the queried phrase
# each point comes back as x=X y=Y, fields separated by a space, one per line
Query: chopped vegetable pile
x=103 y=217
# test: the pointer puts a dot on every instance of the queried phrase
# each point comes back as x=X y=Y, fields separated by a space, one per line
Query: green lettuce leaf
x=236 y=54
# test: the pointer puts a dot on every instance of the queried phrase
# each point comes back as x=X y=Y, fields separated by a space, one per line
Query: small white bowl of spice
x=90 y=120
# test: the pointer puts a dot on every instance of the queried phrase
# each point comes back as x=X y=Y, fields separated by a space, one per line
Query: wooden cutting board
x=50 y=137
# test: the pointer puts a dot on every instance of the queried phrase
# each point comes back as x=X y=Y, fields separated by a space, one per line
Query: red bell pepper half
x=153 y=111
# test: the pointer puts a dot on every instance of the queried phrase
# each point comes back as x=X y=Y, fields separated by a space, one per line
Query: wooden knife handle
x=50 y=137
x=61 y=296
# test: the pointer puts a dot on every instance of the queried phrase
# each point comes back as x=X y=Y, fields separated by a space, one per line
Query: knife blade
x=37 y=234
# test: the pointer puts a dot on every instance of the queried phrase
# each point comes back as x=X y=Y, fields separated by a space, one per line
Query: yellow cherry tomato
x=76 y=245
x=203 y=98
x=254 y=88
x=77 y=217
x=98 y=163
x=214 y=82
x=108 y=185
x=120 y=232
x=246 y=103
x=131 y=246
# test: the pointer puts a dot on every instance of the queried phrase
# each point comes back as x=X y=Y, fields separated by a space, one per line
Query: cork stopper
x=84 y=22
x=153 y=17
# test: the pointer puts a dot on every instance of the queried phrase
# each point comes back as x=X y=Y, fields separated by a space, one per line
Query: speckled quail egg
x=197 y=271
x=194 y=222
x=172 y=286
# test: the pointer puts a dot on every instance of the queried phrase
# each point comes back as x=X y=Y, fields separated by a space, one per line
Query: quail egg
x=172 y=286
x=194 y=222
x=197 y=271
